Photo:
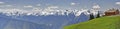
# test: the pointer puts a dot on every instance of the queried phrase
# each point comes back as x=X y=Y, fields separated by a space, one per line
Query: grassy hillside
x=109 y=22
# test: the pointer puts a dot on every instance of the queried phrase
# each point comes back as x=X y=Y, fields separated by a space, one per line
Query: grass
x=108 y=22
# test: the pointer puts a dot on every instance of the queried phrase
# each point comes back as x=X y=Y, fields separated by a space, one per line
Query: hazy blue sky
x=62 y=4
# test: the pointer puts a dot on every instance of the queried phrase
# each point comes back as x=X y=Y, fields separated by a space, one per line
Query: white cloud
x=28 y=6
x=1 y=2
x=52 y=7
x=73 y=3
x=118 y=3
x=8 y=5
x=96 y=6
x=38 y=5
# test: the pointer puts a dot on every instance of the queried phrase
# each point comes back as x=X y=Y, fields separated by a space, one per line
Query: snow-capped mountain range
x=46 y=12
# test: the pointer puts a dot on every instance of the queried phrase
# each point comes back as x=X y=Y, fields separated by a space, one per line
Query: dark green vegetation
x=91 y=16
x=108 y=22
x=98 y=15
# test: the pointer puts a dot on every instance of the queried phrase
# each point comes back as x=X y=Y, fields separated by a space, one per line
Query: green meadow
x=106 y=22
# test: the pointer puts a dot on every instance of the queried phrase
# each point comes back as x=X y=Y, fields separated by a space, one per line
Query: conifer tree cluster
x=98 y=15
x=91 y=16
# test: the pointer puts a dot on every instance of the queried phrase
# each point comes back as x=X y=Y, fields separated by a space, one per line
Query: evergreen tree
x=98 y=15
x=91 y=16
